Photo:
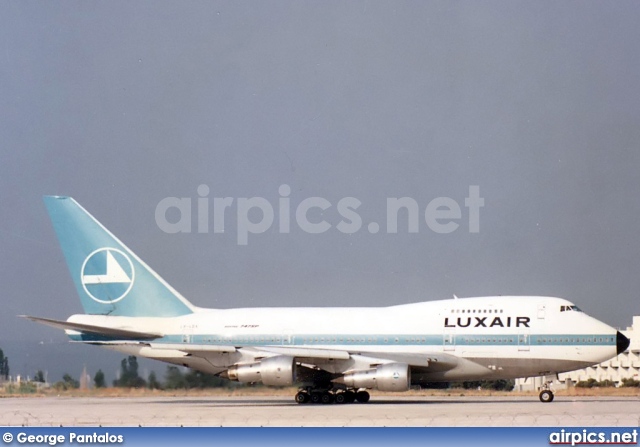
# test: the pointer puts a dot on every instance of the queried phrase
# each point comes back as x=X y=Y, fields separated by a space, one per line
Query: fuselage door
x=541 y=311
x=449 y=339
x=287 y=337
x=523 y=339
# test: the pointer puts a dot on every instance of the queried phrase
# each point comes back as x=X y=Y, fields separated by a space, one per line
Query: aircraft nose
x=622 y=343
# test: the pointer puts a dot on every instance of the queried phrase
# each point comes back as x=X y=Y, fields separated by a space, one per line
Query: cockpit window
x=570 y=309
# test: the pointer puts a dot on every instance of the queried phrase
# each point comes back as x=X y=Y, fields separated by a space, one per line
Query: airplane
x=334 y=355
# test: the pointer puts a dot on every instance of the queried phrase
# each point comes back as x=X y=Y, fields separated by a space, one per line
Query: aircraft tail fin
x=109 y=278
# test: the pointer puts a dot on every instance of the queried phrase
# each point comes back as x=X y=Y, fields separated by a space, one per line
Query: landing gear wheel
x=546 y=396
x=316 y=398
x=341 y=398
x=327 y=398
x=362 y=397
x=350 y=396
x=302 y=397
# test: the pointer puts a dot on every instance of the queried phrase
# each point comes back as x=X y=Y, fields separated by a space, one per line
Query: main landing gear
x=546 y=395
x=307 y=395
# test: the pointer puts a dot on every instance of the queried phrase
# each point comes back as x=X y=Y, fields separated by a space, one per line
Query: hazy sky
x=121 y=104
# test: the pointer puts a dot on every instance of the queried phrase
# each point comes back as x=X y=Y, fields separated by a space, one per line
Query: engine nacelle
x=277 y=371
x=387 y=377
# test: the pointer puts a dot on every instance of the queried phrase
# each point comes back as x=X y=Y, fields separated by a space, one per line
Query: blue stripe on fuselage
x=377 y=340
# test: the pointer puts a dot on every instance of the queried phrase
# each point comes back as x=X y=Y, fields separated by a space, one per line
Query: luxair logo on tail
x=107 y=275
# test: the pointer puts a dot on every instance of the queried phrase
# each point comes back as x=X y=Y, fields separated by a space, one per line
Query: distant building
x=85 y=379
x=624 y=366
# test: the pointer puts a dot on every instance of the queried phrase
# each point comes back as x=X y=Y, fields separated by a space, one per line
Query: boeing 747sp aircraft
x=333 y=354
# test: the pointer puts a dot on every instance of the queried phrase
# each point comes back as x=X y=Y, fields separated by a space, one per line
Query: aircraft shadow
x=287 y=402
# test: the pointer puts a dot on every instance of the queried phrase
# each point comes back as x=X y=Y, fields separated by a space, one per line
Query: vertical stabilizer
x=110 y=278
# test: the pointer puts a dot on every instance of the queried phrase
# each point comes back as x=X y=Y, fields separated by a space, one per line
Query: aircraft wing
x=92 y=329
x=306 y=353
x=428 y=361
x=420 y=361
x=183 y=348
x=193 y=349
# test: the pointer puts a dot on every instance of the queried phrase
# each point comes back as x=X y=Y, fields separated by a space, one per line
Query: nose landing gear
x=546 y=395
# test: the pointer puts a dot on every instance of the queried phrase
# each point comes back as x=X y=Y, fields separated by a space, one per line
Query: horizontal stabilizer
x=92 y=329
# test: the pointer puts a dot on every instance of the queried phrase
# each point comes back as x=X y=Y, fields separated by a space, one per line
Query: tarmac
x=284 y=412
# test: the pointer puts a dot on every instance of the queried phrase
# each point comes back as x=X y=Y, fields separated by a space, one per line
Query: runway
x=283 y=412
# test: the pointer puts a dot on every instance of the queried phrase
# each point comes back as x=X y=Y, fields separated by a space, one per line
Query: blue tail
x=110 y=278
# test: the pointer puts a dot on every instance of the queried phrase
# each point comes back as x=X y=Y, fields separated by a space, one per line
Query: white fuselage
x=488 y=337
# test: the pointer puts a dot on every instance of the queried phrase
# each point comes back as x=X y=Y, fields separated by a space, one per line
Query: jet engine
x=277 y=371
x=387 y=377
